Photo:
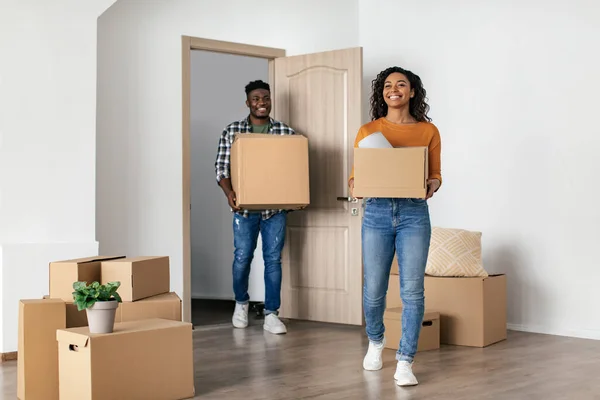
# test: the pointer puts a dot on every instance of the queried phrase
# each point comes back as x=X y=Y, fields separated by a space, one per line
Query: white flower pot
x=101 y=316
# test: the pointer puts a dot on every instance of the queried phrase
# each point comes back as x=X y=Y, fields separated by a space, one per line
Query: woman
x=399 y=112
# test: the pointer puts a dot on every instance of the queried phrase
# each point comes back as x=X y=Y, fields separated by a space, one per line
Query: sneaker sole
x=274 y=332
x=239 y=325
x=406 y=384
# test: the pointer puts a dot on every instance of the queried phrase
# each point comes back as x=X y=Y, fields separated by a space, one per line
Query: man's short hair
x=257 y=85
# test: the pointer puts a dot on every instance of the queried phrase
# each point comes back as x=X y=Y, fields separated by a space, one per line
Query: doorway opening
x=321 y=260
x=214 y=76
x=217 y=99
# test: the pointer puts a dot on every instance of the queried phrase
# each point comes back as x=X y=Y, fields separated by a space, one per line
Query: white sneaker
x=404 y=375
x=274 y=325
x=373 y=361
x=240 y=315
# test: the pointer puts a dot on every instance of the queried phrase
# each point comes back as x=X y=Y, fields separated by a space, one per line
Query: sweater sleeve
x=435 y=151
x=359 y=136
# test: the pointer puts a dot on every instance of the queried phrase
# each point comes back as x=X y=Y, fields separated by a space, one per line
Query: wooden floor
x=325 y=362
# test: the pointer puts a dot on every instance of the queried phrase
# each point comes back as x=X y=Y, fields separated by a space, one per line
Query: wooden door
x=319 y=95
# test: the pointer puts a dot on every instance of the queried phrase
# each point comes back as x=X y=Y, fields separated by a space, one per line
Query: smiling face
x=259 y=103
x=397 y=91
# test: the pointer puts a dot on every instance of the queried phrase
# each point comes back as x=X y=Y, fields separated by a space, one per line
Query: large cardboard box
x=430 y=329
x=270 y=171
x=140 y=277
x=147 y=359
x=473 y=310
x=37 y=361
x=64 y=273
x=166 y=306
x=392 y=298
x=399 y=172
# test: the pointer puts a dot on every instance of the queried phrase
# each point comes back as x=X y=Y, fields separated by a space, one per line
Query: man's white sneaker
x=373 y=361
x=274 y=325
x=240 y=315
x=404 y=375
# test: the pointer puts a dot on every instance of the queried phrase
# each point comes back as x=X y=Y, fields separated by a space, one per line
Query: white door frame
x=188 y=44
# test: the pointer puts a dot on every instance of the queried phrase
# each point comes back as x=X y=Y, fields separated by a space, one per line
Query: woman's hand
x=432 y=186
x=351 y=187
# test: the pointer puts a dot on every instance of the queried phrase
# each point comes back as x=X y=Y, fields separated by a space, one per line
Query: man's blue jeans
x=403 y=226
x=245 y=237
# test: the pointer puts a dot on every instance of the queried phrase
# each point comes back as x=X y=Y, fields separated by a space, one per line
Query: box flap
x=161 y=298
x=268 y=136
x=87 y=260
x=136 y=259
x=396 y=314
x=75 y=336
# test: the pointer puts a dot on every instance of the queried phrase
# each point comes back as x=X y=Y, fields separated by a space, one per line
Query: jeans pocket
x=370 y=200
x=420 y=202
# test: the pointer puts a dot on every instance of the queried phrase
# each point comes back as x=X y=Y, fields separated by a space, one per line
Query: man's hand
x=225 y=184
x=231 y=199
x=432 y=186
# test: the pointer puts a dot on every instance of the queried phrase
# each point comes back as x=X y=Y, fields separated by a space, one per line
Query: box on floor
x=430 y=329
x=37 y=361
x=257 y=184
x=150 y=359
x=393 y=172
x=64 y=273
x=472 y=310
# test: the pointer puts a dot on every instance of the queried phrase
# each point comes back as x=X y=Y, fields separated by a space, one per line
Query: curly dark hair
x=418 y=106
x=256 y=85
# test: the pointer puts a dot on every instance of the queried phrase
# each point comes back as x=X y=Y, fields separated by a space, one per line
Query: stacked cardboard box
x=472 y=309
x=429 y=338
x=150 y=314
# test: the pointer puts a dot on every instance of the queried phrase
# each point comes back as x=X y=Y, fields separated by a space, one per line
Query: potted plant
x=100 y=302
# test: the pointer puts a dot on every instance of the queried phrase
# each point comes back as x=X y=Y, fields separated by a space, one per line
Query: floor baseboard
x=580 y=334
x=12 y=356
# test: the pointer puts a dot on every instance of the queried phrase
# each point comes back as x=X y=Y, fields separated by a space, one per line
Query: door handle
x=348 y=199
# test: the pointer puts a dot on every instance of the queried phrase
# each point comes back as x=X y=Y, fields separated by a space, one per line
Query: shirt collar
x=248 y=124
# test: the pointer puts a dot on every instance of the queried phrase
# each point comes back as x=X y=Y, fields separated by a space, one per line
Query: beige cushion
x=455 y=252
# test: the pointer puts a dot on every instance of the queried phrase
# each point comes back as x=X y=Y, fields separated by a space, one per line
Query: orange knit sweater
x=419 y=134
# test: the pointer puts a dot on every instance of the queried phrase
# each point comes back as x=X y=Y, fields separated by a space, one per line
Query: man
x=247 y=224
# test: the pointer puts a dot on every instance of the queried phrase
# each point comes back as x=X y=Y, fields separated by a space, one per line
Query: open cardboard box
x=400 y=172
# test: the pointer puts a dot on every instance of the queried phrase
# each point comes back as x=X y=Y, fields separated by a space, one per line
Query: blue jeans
x=403 y=226
x=245 y=237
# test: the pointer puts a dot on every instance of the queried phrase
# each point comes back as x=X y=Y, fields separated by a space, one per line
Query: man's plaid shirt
x=222 y=165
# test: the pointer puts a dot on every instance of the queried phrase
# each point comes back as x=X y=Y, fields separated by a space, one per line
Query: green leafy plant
x=86 y=295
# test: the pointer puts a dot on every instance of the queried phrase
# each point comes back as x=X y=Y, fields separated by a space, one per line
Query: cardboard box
x=270 y=171
x=64 y=273
x=430 y=330
x=147 y=359
x=473 y=310
x=37 y=363
x=166 y=306
x=140 y=277
x=398 y=173
x=392 y=298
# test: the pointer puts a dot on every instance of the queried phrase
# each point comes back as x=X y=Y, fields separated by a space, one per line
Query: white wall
x=217 y=99
x=139 y=102
x=47 y=145
x=513 y=88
